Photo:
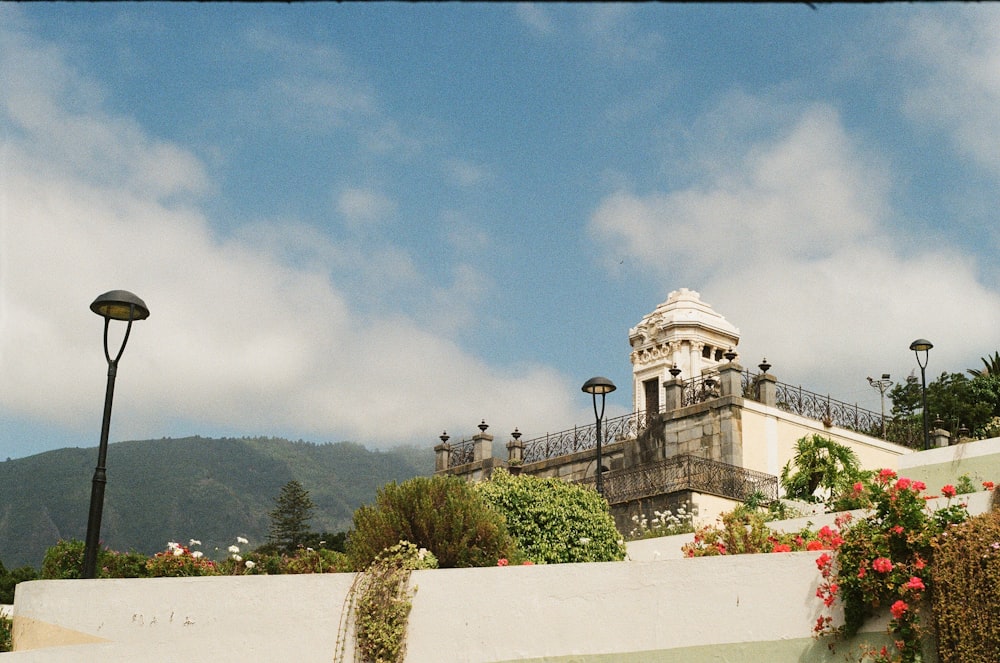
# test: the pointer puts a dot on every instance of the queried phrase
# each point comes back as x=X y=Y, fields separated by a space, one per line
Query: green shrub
x=5 y=634
x=9 y=580
x=64 y=560
x=966 y=569
x=553 y=521
x=308 y=560
x=444 y=514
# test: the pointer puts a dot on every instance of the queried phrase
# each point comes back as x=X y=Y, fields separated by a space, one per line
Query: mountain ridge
x=210 y=489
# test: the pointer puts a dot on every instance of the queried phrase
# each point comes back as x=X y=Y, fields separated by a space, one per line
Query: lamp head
x=120 y=305
x=921 y=345
x=598 y=385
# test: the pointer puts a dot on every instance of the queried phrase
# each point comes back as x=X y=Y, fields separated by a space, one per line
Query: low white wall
x=751 y=605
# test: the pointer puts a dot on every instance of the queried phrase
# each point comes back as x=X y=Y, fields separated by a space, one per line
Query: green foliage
x=10 y=578
x=991 y=366
x=65 y=560
x=966 y=576
x=955 y=399
x=380 y=602
x=444 y=514
x=744 y=531
x=290 y=517
x=553 y=521
x=819 y=462
x=309 y=560
x=5 y=634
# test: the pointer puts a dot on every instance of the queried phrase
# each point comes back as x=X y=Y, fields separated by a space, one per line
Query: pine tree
x=289 y=520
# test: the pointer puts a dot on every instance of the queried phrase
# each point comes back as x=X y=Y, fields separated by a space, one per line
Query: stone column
x=442 y=454
x=730 y=379
x=482 y=444
x=515 y=449
x=940 y=438
x=673 y=389
x=767 y=389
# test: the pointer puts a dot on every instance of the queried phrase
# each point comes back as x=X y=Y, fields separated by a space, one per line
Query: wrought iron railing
x=461 y=453
x=581 y=438
x=700 y=389
x=686 y=472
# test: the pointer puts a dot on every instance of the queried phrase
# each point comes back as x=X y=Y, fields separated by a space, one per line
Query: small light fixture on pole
x=881 y=385
x=599 y=387
x=918 y=346
x=114 y=305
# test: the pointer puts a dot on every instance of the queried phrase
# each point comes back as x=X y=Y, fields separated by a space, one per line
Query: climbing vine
x=377 y=607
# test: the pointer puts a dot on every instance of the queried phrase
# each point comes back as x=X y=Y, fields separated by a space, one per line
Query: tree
x=444 y=514
x=954 y=399
x=819 y=462
x=290 y=518
x=553 y=521
x=991 y=366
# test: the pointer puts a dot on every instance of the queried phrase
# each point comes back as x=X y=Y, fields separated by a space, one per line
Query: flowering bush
x=664 y=523
x=744 y=531
x=179 y=560
x=882 y=561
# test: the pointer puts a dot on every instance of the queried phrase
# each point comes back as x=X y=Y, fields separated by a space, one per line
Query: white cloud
x=248 y=334
x=958 y=89
x=364 y=207
x=791 y=243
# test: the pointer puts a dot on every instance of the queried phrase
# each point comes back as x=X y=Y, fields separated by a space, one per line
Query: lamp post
x=599 y=387
x=114 y=305
x=881 y=384
x=918 y=346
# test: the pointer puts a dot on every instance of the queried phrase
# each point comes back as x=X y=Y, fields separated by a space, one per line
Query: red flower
x=918 y=486
x=502 y=561
x=528 y=563
x=882 y=565
x=948 y=491
x=781 y=547
x=988 y=485
x=814 y=545
x=903 y=484
x=919 y=563
x=898 y=529
x=886 y=475
x=915 y=583
x=898 y=609
x=823 y=561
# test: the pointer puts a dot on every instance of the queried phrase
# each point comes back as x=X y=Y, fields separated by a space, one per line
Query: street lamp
x=918 y=346
x=882 y=384
x=114 y=305
x=599 y=387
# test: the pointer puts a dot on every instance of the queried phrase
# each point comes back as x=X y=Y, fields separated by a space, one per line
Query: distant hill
x=164 y=490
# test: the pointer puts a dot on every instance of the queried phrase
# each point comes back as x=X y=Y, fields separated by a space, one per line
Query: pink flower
x=919 y=486
x=903 y=484
x=898 y=609
x=915 y=583
x=528 y=563
x=948 y=491
x=882 y=564
x=898 y=529
x=502 y=561
x=858 y=488
x=823 y=561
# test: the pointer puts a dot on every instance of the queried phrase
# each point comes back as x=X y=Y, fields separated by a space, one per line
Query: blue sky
x=373 y=222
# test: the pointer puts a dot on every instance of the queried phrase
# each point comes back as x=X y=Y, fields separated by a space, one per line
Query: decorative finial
x=674 y=371
x=483 y=426
x=444 y=437
x=730 y=355
x=516 y=434
x=764 y=366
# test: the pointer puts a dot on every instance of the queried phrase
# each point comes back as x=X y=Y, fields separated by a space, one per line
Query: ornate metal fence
x=581 y=438
x=699 y=389
x=461 y=453
x=686 y=472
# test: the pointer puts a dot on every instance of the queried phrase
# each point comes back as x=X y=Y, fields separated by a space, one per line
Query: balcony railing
x=687 y=472
x=581 y=438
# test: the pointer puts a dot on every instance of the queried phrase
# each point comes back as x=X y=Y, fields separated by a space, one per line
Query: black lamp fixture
x=599 y=386
x=924 y=346
x=125 y=307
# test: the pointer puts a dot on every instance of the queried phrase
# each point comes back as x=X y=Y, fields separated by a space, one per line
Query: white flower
x=237 y=558
x=193 y=542
x=234 y=549
x=240 y=539
x=177 y=551
x=172 y=545
x=584 y=540
x=250 y=564
x=197 y=554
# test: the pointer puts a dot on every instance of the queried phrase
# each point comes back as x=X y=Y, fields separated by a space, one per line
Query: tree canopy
x=290 y=518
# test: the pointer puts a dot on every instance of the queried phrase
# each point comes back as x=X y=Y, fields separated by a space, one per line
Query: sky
x=374 y=222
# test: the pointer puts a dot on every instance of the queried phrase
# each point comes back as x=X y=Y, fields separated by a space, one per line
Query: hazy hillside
x=173 y=490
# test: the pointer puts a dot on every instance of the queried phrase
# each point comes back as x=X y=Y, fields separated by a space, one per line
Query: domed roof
x=681 y=316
